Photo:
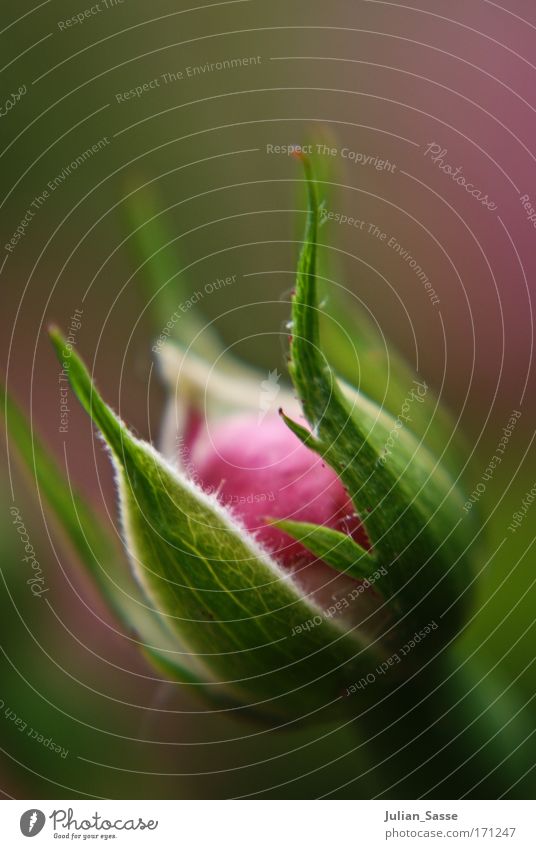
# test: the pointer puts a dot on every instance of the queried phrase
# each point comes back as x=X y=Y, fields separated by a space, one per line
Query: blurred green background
x=375 y=78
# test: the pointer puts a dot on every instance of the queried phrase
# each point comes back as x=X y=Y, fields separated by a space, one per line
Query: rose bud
x=259 y=471
x=285 y=555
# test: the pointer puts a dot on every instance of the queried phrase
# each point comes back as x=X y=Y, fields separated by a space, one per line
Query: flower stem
x=451 y=732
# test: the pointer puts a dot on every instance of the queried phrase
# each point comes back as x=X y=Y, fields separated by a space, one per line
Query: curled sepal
x=223 y=596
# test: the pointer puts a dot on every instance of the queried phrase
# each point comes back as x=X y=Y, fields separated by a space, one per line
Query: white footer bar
x=269 y=824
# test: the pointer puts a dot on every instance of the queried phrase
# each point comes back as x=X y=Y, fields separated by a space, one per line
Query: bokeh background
x=383 y=79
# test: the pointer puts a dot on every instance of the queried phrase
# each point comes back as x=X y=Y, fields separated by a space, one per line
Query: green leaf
x=412 y=509
x=97 y=551
x=159 y=264
x=337 y=549
x=163 y=274
x=215 y=587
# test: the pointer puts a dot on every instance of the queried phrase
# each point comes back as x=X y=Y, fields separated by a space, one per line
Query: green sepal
x=337 y=549
x=410 y=506
x=98 y=551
